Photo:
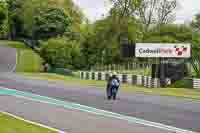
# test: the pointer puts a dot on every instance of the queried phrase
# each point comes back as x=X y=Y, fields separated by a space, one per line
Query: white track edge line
x=16 y=62
x=78 y=104
x=31 y=122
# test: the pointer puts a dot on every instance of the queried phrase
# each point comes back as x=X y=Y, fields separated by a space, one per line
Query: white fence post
x=96 y=76
x=145 y=81
x=196 y=83
x=149 y=83
x=139 y=80
x=103 y=76
x=81 y=74
x=120 y=77
x=129 y=79
x=84 y=75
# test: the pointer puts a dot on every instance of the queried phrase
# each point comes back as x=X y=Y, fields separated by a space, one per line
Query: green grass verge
x=139 y=71
x=27 y=60
x=13 y=125
x=13 y=44
x=175 y=92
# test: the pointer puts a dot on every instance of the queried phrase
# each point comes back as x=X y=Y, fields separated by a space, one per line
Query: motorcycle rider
x=113 y=86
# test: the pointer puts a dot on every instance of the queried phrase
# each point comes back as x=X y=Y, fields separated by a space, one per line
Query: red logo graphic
x=180 y=50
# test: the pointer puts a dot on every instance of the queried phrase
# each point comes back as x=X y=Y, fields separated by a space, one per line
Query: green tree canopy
x=195 y=60
x=61 y=52
x=196 y=22
x=50 y=22
x=169 y=33
x=3 y=20
x=30 y=17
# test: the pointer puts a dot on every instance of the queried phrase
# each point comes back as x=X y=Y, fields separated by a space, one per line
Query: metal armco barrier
x=93 y=76
x=124 y=78
x=82 y=75
x=145 y=81
x=134 y=79
x=107 y=75
x=149 y=84
x=139 y=80
x=99 y=76
x=103 y=76
x=87 y=75
x=96 y=76
x=196 y=83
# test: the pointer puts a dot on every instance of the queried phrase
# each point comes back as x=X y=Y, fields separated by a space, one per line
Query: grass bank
x=13 y=125
x=27 y=60
x=175 y=92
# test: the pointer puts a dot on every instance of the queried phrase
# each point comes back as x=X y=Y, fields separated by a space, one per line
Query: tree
x=61 y=52
x=169 y=33
x=122 y=14
x=102 y=45
x=88 y=49
x=125 y=8
x=15 y=24
x=157 y=12
x=27 y=17
x=3 y=20
x=50 y=22
x=75 y=14
x=195 y=60
x=196 y=22
x=44 y=19
x=3 y=13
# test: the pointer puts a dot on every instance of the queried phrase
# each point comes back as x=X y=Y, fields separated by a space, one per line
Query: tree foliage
x=3 y=13
x=149 y=12
x=3 y=20
x=157 y=12
x=196 y=22
x=125 y=8
x=122 y=15
x=50 y=22
x=61 y=52
x=169 y=33
x=44 y=18
x=102 y=46
x=195 y=60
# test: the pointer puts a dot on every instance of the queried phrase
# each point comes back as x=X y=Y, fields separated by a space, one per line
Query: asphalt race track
x=70 y=121
x=7 y=59
x=180 y=113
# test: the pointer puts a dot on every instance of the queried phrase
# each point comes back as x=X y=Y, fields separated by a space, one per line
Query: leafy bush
x=51 y=22
x=3 y=21
x=61 y=52
x=185 y=83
